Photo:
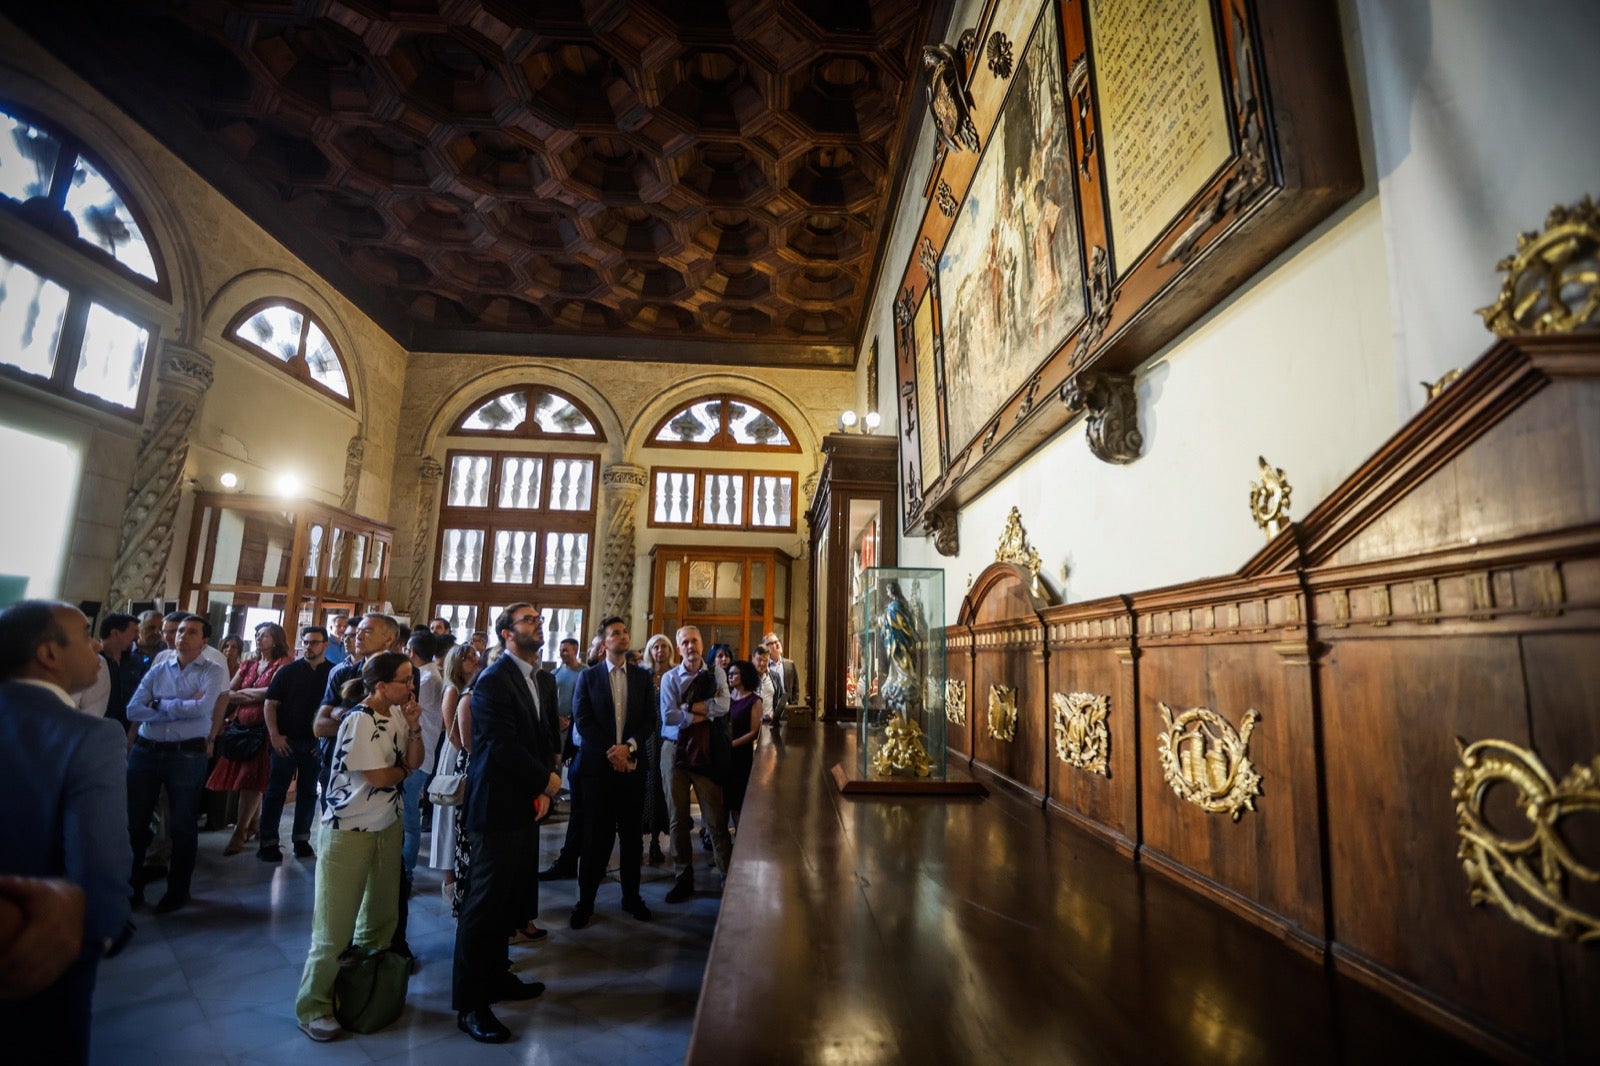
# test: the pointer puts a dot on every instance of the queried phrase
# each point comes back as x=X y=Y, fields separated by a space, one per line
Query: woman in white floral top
x=358 y=862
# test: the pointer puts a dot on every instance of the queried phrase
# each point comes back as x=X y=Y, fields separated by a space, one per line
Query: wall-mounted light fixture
x=850 y=422
x=228 y=480
x=288 y=485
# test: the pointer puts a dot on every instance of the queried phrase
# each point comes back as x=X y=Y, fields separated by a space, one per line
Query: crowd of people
x=121 y=744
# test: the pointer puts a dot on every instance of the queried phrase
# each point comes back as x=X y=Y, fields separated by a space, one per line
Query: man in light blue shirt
x=676 y=715
x=173 y=707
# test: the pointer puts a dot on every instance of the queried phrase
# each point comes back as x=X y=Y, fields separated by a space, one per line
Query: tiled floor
x=215 y=982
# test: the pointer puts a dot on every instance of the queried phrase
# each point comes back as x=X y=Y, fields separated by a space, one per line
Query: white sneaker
x=321 y=1029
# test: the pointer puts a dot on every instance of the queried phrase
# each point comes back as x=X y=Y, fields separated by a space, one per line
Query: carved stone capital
x=354 y=454
x=941 y=526
x=624 y=478
x=1112 y=405
x=185 y=368
x=809 y=487
x=428 y=469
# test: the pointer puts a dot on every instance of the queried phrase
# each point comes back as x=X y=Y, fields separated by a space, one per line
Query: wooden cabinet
x=734 y=595
x=254 y=559
x=853 y=526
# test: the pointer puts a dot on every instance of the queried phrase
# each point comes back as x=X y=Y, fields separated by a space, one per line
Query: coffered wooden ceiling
x=704 y=180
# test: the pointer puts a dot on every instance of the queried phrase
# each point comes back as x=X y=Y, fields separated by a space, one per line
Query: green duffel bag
x=370 y=991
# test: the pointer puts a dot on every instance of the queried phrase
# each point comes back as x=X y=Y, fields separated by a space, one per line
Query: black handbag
x=241 y=743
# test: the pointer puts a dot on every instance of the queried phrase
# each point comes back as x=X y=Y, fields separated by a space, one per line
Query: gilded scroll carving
x=998 y=55
x=428 y=474
x=1014 y=548
x=146 y=535
x=1269 y=499
x=1002 y=721
x=624 y=486
x=1524 y=871
x=1113 y=408
x=1207 y=761
x=1082 y=738
x=948 y=100
x=1552 y=282
x=902 y=750
x=955 y=702
x=1101 y=299
x=945 y=199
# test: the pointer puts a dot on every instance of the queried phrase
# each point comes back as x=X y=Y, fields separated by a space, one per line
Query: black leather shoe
x=269 y=853
x=483 y=1026
x=681 y=890
x=580 y=916
x=511 y=990
x=302 y=850
x=656 y=856
x=636 y=907
x=171 y=902
x=557 y=872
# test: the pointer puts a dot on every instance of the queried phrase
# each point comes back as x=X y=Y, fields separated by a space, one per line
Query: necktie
x=619 y=697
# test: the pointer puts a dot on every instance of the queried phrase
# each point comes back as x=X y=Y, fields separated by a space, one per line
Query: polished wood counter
x=925 y=930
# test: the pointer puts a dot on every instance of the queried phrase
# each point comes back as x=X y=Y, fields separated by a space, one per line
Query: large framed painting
x=1105 y=172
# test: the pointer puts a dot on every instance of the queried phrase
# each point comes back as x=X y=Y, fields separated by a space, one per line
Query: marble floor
x=215 y=982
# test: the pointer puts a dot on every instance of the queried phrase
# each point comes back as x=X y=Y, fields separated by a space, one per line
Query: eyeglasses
x=529 y=618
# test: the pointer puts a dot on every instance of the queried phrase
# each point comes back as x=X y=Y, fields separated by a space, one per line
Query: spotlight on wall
x=288 y=485
x=850 y=422
x=228 y=480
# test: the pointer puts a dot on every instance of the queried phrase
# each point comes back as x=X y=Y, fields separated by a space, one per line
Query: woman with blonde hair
x=378 y=745
x=246 y=708
x=658 y=659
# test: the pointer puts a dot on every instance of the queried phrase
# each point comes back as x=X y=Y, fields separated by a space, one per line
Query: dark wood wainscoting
x=1447 y=593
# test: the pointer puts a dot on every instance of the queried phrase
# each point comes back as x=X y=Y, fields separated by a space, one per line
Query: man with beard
x=511 y=780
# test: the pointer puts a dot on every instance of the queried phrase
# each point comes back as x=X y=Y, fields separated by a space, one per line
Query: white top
x=430 y=696
x=366 y=741
x=97 y=697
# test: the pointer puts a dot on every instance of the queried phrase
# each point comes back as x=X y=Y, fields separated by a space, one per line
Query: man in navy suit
x=614 y=710
x=65 y=802
x=511 y=780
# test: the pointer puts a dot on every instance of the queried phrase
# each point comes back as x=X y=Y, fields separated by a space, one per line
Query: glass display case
x=898 y=640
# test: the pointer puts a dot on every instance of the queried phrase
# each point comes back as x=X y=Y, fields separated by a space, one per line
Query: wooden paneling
x=958 y=667
x=1449 y=588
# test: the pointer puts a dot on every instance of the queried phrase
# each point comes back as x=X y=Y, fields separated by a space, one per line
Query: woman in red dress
x=246 y=699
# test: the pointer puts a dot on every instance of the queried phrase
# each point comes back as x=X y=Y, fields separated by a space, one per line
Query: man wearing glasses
x=512 y=779
x=292 y=701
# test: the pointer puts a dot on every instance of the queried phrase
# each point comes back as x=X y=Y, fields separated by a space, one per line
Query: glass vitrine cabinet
x=735 y=596
x=254 y=559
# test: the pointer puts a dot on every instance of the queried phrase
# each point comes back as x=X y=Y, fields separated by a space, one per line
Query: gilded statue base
x=902 y=750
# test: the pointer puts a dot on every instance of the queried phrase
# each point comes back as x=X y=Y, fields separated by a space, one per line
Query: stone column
x=428 y=474
x=624 y=485
x=182 y=378
x=354 y=453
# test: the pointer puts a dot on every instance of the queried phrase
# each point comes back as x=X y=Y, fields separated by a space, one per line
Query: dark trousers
x=613 y=806
x=53 y=1026
x=184 y=774
x=504 y=865
x=572 y=845
x=301 y=765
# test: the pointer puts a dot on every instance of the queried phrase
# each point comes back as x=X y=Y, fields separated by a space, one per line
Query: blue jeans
x=416 y=785
x=184 y=774
x=302 y=762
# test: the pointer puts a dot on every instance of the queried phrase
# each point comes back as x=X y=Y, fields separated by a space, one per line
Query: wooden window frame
x=74 y=323
x=697 y=507
x=295 y=366
x=492 y=519
x=529 y=430
x=722 y=439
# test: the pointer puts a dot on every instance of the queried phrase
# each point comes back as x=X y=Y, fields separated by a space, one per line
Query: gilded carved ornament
x=1525 y=874
x=1435 y=388
x=1082 y=739
x=1014 y=548
x=955 y=702
x=948 y=100
x=999 y=55
x=902 y=750
x=1269 y=499
x=1207 y=762
x=1002 y=722
x=1552 y=282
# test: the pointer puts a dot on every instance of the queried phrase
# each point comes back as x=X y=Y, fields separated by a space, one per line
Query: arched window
x=286 y=333
x=507 y=414
x=77 y=338
x=724 y=422
x=50 y=179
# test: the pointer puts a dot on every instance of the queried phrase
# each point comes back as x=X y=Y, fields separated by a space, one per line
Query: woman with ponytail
x=358 y=863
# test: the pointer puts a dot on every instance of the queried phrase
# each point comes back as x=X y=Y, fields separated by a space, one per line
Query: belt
x=195 y=744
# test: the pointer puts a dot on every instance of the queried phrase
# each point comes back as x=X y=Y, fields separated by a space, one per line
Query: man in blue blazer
x=64 y=792
x=614 y=710
x=512 y=778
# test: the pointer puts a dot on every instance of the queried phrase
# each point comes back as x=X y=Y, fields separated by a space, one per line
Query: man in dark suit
x=614 y=710
x=511 y=780
x=66 y=812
